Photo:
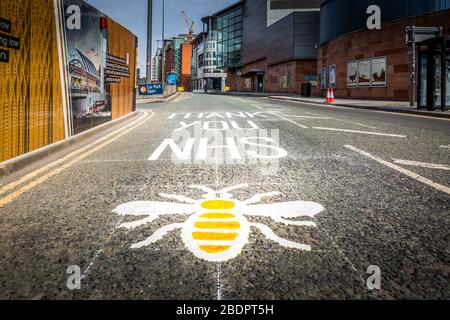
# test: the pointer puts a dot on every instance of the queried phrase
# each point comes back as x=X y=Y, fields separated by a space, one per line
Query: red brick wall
x=169 y=62
x=296 y=69
x=239 y=83
x=390 y=41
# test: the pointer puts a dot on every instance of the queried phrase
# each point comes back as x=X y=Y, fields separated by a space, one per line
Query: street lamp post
x=163 y=56
x=149 y=39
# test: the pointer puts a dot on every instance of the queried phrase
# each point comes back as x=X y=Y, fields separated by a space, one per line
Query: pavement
x=388 y=106
x=354 y=204
x=157 y=98
x=376 y=105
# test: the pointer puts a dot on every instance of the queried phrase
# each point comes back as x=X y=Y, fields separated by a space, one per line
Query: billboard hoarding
x=89 y=100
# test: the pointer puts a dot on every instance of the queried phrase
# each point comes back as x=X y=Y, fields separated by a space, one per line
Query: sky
x=132 y=14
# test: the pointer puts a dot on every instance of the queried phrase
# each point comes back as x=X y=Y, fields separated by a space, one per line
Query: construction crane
x=189 y=22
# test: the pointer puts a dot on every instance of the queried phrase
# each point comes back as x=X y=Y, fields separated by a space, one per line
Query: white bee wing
x=153 y=208
x=285 y=210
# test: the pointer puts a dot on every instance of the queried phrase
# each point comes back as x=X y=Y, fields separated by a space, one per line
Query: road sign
x=150 y=89
x=172 y=78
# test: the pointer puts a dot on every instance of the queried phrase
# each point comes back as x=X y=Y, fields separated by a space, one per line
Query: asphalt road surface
x=355 y=205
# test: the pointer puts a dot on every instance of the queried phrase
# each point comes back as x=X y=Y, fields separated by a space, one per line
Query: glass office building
x=229 y=37
x=267 y=46
x=207 y=74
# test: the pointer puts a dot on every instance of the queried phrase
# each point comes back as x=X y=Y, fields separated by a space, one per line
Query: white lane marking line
x=12 y=196
x=341 y=120
x=370 y=110
x=289 y=120
x=256 y=106
x=306 y=117
x=182 y=97
x=447 y=147
x=313 y=104
x=314 y=114
x=268 y=105
x=362 y=132
x=345 y=121
x=219 y=282
x=422 y=164
x=243 y=100
x=355 y=123
x=406 y=172
x=36 y=172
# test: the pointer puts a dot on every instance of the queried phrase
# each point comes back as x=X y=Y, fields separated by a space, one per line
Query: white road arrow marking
x=397 y=168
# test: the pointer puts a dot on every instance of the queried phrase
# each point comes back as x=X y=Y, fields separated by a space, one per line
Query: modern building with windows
x=205 y=72
x=268 y=45
x=156 y=66
x=173 y=59
x=378 y=64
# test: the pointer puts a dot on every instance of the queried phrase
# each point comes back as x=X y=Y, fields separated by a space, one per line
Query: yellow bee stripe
x=214 y=249
x=214 y=236
x=218 y=225
x=218 y=215
x=218 y=205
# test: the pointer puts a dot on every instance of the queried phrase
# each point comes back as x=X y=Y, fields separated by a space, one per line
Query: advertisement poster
x=378 y=72
x=333 y=76
x=323 y=79
x=352 y=74
x=86 y=63
x=364 y=73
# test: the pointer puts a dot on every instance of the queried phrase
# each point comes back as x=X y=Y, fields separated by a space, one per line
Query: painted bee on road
x=217 y=229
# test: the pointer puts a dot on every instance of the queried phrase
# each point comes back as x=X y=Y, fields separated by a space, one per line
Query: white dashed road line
x=306 y=117
x=256 y=106
x=289 y=120
x=345 y=121
x=362 y=132
x=408 y=173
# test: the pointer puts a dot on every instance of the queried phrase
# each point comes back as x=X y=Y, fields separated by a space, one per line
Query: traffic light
x=103 y=23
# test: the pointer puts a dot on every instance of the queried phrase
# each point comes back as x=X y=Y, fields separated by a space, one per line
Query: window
x=229 y=38
x=285 y=81
x=310 y=77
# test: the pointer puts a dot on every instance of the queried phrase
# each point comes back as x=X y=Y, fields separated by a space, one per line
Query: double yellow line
x=61 y=164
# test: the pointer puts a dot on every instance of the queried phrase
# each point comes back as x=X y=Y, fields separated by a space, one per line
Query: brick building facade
x=284 y=77
x=389 y=42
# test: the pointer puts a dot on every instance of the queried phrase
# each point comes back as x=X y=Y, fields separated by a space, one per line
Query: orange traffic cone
x=331 y=96
x=328 y=96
